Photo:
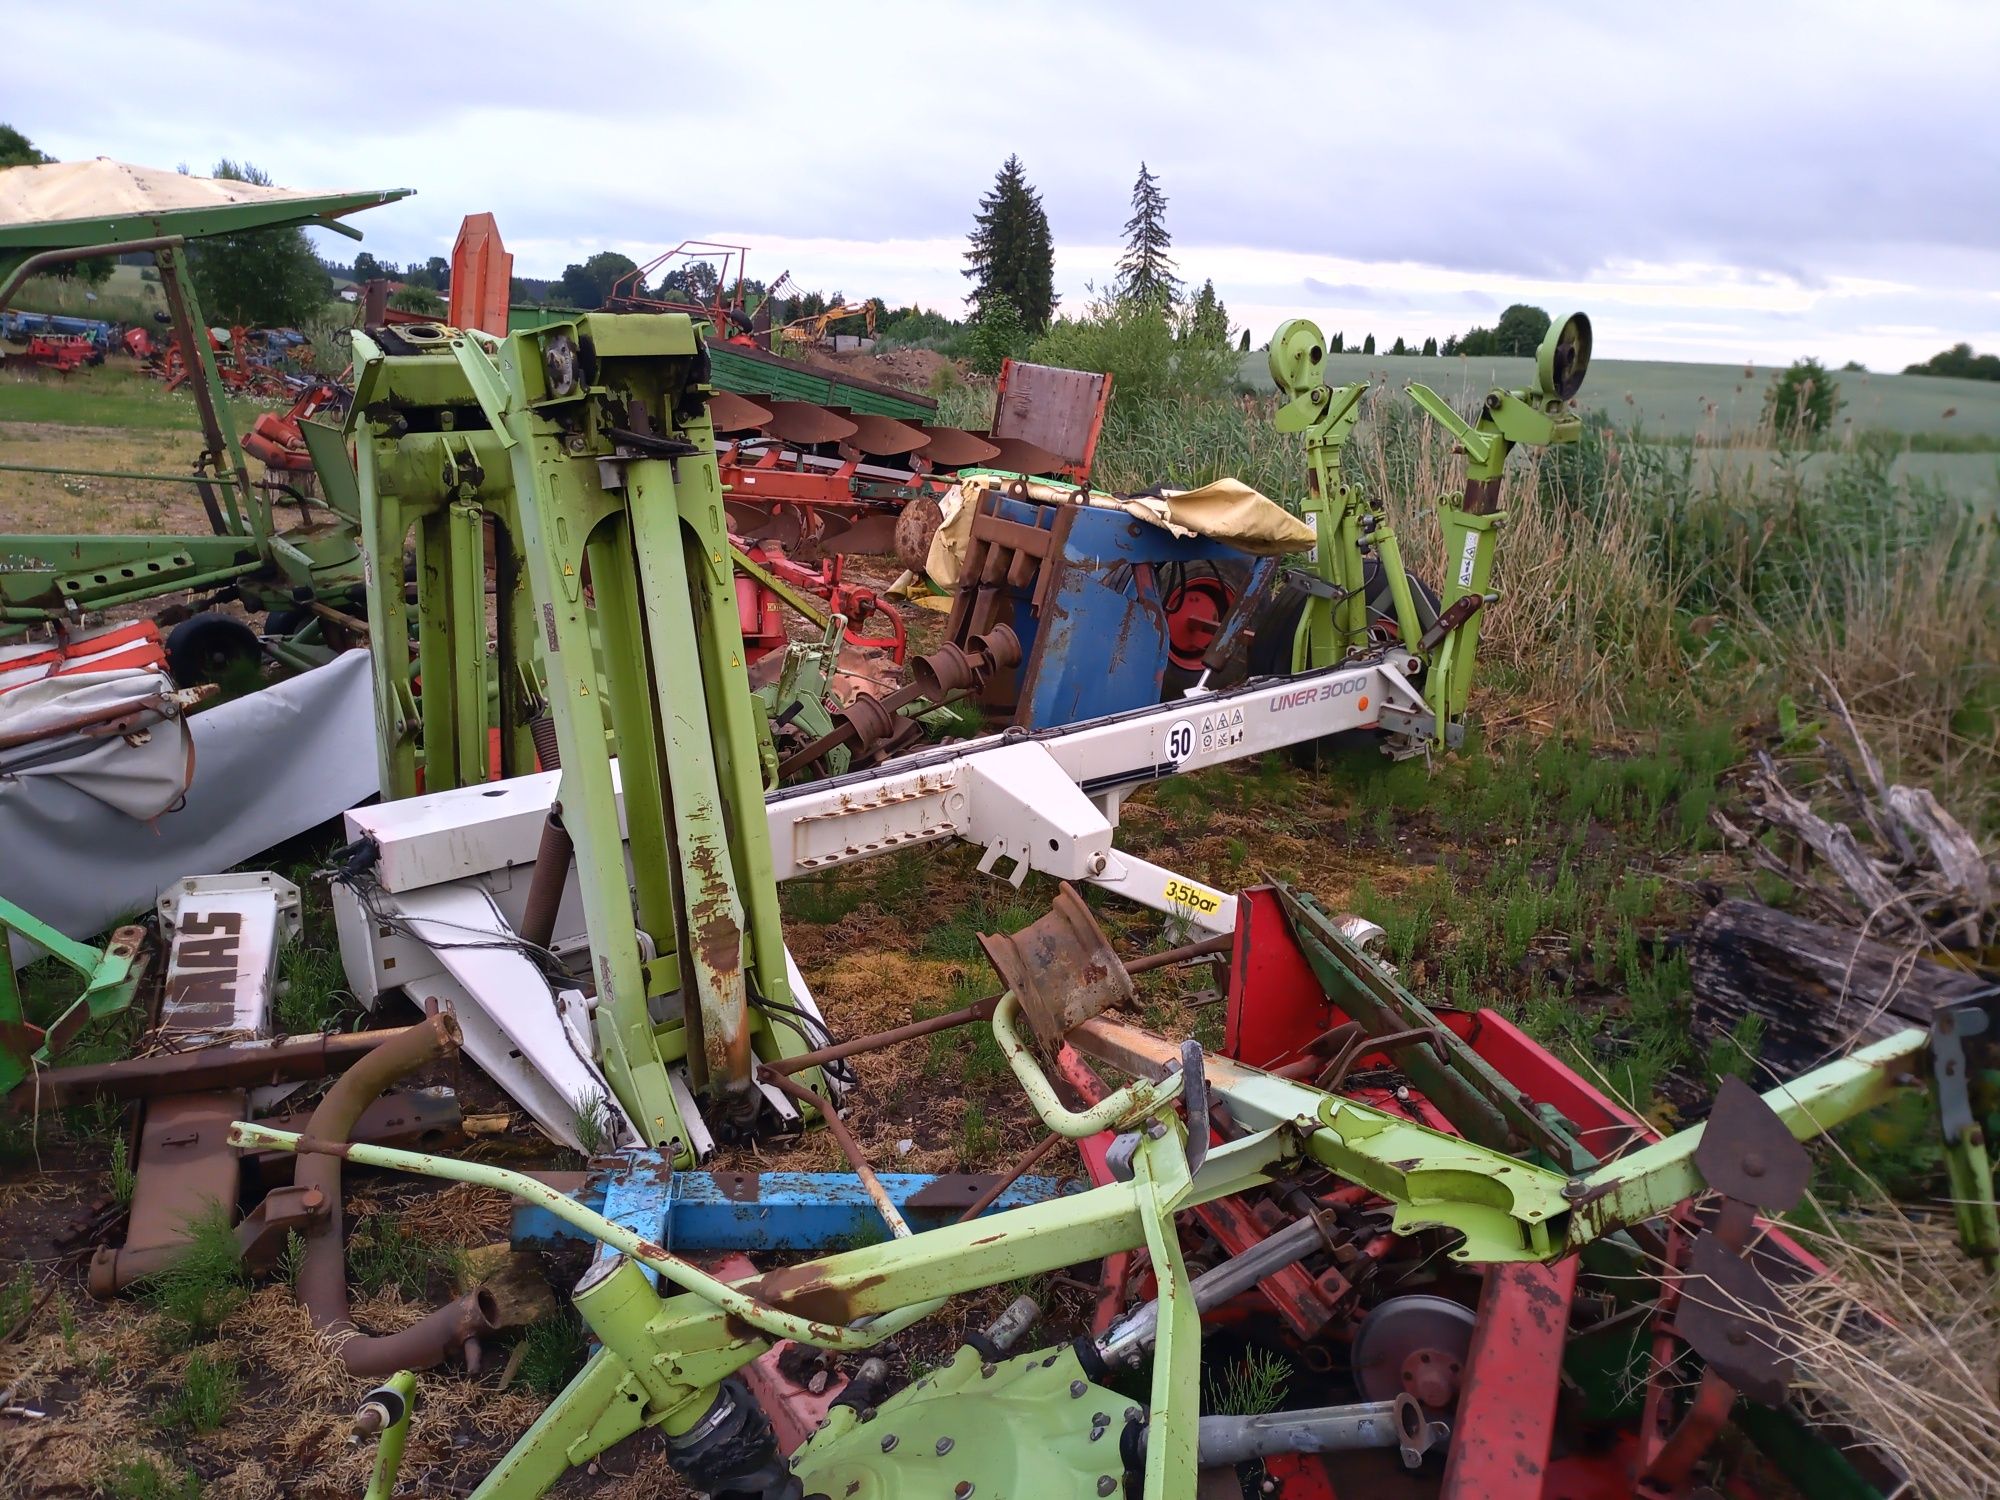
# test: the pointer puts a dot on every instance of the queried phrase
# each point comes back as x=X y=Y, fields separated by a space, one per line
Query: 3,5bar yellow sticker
x=1196 y=898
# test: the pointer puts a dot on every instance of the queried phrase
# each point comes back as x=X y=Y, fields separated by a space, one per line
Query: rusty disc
x=915 y=528
x=1020 y=457
x=883 y=437
x=870 y=536
x=733 y=413
x=1415 y=1343
x=954 y=447
x=804 y=424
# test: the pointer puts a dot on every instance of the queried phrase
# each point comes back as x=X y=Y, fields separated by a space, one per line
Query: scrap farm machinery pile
x=1491 y=1279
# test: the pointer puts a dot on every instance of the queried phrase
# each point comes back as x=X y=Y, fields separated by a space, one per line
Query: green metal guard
x=111 y=977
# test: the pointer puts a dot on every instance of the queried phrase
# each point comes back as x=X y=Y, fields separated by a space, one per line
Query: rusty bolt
x=943 y=1446
x=889 y=1443
x=962 y=1489
x=1575 y=1188
x=1106 y=1484
x=986 y=1371
x=1077 y=1388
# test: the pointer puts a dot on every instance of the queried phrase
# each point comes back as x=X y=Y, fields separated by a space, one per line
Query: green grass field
x=1950 y=429
x=1671 y=400
x=114 y=394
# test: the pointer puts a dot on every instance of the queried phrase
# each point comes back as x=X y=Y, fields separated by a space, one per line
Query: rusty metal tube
x=849 y=1147
x=455 y=1328
x=203 y=1070
x=978 y=1010
x=1012 y=1175
x=553 y=857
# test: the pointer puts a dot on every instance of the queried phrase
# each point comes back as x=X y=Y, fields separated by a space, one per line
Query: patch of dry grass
x=1902 y=1338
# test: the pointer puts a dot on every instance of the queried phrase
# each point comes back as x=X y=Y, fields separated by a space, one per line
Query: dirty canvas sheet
x=267 y=766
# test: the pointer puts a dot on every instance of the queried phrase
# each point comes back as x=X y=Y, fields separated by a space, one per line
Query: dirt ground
x=91 y=506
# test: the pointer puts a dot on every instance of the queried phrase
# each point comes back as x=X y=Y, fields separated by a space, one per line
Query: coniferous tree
x=1243 y=346
x=1208 y=321
x=1339 y=345
x=1012 y=253
x=1430 y=348
x=1146 y=270
x=1398 y=346
x=1368 y=344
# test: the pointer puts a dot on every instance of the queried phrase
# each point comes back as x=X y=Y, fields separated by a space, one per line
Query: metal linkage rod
x=1128 y=1341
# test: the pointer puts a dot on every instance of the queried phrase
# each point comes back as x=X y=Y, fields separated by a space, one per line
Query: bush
x=1802 y=401
x=998 y=335
x=1134 y=341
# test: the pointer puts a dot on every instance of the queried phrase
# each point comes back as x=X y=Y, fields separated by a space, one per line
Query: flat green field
x=1680 y=399
x=1951 y=427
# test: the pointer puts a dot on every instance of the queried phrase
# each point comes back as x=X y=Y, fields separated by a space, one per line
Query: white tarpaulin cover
x=268 y=765
x=141 y=773
x=103 y=189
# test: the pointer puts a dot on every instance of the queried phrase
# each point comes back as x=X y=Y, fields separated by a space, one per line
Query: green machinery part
x=111 y=976
x=664 y=1355
x=584 y=449
x=1336 y=622
x=53 y=577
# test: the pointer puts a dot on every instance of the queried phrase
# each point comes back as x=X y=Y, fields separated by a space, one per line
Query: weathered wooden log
x=1819 y=989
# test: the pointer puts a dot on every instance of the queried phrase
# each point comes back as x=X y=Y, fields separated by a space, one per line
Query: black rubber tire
x=285 y=622
x=200 y=649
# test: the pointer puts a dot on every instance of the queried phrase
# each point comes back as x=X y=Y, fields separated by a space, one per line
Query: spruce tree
x=1012 y=253
x=1146 y=270
x=1430 y=348
x=1208 y=322
x=1368 y=344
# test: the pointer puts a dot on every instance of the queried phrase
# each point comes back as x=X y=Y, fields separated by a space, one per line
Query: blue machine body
x=1093 y=622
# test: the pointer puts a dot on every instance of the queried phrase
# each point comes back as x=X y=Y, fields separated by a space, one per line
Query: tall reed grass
x=1643 y=585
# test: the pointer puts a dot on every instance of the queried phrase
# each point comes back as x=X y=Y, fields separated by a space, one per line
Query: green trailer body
x=747 y=371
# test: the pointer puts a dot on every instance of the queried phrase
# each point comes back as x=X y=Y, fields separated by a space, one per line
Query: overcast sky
x=1754 y=181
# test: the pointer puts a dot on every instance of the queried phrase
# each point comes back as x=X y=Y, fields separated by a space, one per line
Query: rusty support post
x=1507 y=1400
x=456 y=1327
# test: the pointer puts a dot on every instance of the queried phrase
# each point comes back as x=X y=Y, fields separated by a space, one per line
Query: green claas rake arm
x=668 y=1356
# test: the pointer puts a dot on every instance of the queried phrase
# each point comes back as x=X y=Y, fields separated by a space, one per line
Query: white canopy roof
x=103 y=188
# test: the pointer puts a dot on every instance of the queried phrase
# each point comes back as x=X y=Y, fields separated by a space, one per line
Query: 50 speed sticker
x=1196 y=898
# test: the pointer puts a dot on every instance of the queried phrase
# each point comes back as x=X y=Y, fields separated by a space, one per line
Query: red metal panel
x=482 y=276
x=1276 y=1005
x=1506 y=1416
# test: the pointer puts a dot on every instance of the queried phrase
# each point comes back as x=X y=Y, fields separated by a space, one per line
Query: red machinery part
x=1505 y=1423
x=1196 y=607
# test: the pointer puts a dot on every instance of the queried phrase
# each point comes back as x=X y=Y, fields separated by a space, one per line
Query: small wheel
x=285 y=622
x=205 y=647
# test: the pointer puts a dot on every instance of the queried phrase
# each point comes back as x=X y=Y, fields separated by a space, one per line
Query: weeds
x=313 y=993
x=124 y=1181
x=978 y=1139
x=17 y=1299
x=204 y=1285
x=208 y=1390
x=552 y=1351
x=292 y=1259
x=384 y=1255
x=142 y=1478
x=593 y=1122
x=1249 y=1386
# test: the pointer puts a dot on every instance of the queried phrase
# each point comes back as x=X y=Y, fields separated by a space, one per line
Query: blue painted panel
x=1099 y=644
x=701 y=1211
